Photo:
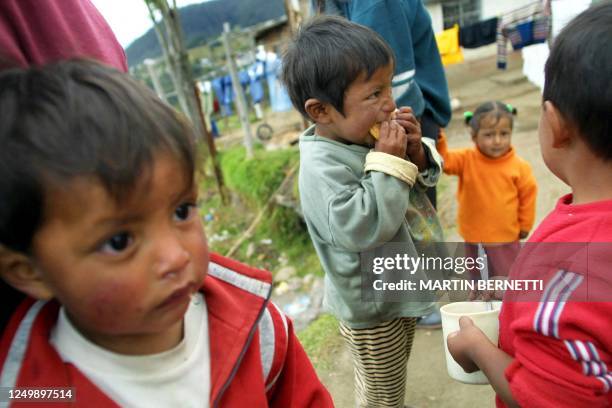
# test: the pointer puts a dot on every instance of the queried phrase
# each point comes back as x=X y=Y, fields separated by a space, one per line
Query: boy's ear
x=561 y=130
x=17 y=270
x=318 y=111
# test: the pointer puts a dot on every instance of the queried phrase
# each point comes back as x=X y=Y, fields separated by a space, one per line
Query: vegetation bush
x=256 y=179
x=253 y=182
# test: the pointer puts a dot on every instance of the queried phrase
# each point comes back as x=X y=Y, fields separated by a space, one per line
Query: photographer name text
x=460 y=285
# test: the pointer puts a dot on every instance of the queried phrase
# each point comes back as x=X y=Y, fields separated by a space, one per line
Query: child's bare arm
x=472 y=350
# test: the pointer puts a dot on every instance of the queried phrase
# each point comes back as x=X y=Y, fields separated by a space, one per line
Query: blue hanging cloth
x=279 y=98
x=228 y=96
x=256 y=74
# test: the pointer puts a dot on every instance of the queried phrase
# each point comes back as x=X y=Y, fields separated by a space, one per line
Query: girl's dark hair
x=77 y=119
x=497 y=108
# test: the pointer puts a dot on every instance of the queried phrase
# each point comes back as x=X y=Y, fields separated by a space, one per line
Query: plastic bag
x=423 y=219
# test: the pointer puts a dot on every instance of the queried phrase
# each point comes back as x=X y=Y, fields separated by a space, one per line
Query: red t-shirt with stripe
x=562 y=343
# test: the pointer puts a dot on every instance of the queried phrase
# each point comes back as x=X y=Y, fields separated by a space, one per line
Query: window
x=462 y=12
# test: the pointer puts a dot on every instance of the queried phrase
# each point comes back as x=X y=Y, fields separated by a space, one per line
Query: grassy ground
x=321 y=341
x=250 y=183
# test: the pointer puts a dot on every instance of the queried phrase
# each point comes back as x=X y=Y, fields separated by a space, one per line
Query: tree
x=166 y=22
x=167 y=25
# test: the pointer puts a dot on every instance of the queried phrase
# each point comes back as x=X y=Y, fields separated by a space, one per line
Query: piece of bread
x=375 y=130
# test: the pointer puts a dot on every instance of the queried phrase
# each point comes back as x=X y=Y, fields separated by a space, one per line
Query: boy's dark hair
x=77 y=119
x=577 y=76
x=496 y=108
x=326 y=55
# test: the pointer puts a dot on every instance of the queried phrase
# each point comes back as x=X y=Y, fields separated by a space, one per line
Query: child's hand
x=414 y=147
x=462 y=344
x=392 y=139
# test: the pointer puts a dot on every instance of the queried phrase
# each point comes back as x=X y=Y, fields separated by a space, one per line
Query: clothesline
x=524 y=7
x=522 y=13
x=523 y=26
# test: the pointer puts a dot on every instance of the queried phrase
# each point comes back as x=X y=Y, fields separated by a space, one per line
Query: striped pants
x=380 y=355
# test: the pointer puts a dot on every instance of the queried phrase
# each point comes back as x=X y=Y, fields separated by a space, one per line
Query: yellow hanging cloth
x=448 y=45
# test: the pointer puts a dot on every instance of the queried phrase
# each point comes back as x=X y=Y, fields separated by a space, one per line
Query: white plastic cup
x=486 y=320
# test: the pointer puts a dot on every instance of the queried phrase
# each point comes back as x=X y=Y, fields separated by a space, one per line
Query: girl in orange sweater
x=497 y=190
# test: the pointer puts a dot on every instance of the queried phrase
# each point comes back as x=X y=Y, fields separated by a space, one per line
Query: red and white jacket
x=256 y=359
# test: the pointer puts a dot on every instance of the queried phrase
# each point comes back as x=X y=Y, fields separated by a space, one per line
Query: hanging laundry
x=228 y=96
x=448 y=46
x=256 y=74
x=208 y=105
x=218 y=86
x=528 y=33
x=245 y=80
x=524 y=26
x=478 y=34
x=279 y=98
x=206 y=97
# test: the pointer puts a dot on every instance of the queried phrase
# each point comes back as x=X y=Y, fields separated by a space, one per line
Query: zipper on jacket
x=244 y=349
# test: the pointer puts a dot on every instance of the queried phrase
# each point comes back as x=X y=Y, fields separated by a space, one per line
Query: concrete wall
x=493 y=8
x=437 y=19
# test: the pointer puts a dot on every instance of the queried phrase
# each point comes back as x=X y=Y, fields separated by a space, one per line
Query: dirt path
x=472 y=83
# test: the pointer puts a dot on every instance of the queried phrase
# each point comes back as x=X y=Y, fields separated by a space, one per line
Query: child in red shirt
x=557 y=351
x=99 y=227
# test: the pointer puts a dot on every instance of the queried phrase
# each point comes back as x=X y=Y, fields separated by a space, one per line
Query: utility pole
x=170 y=36
x=212 y=150
x=150 y=65
x=294 y=15
x=241 y=104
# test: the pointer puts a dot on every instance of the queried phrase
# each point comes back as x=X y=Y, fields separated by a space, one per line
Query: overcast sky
x=129 y=19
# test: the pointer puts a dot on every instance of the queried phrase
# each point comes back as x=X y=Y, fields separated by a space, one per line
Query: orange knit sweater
x=496 y=196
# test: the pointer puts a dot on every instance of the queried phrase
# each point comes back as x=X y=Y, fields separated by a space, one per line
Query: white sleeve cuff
x=393 y=166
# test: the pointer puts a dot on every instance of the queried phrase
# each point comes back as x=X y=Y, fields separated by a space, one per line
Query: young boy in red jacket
x=557 y=351
x=99 y=228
